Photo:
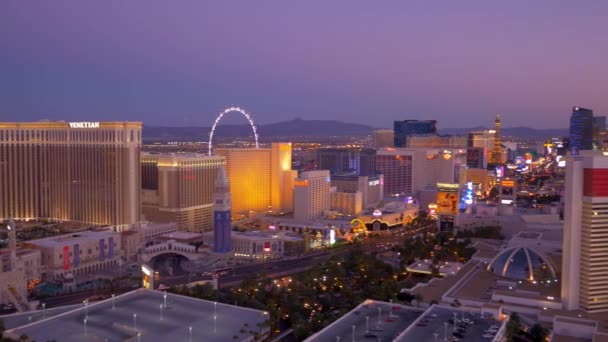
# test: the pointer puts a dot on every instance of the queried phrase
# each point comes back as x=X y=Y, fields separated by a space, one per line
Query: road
x=284 y=267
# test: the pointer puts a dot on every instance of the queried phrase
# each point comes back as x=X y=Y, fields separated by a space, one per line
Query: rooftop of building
x=105 y=323
x=62 y=240
x=263 y=235
x=322 y=224
x=157 y=225
x=437 y=287
x=15 y=320
x=435 y=321
x=386 y=321
x=564 y=338
x=22 y=250
x=446 y=268
x=182 y=236
x=129 y=232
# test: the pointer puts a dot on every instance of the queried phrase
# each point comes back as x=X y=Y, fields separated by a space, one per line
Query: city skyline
x=459 y=64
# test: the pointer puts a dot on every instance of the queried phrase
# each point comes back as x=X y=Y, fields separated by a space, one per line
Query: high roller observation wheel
x=221 y=115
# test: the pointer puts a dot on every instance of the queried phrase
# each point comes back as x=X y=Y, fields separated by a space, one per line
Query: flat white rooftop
x=445 y=268
x=380 y=321
x=107 y=324
x=72 y=238
x=179 y=235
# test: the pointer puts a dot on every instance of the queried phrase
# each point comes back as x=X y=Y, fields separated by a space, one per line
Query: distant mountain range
x=519 y=132
x=312 y=128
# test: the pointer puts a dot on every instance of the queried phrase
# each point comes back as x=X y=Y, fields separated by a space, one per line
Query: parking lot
x=437 y=325
x=373 y=321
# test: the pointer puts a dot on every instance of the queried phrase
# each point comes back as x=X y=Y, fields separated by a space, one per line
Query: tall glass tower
x=412 y=127
x=222 y=227
x=581 y=130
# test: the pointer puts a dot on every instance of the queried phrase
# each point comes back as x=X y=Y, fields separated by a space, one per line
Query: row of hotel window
x=62 y=135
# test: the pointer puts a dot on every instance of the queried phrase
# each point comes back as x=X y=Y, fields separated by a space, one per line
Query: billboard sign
x=66 y=257
x=447 y=203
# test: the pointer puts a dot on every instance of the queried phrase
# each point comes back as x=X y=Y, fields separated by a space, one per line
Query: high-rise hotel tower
x=79 y=171
x=179 y=188
x=585 y=246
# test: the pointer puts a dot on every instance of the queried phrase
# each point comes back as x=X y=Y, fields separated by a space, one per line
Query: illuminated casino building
x=72 y=171
x=497 y=151
x=585 y=248
x=311 y=195
x=179 y=188
x=397 y=166
x=260 y=179
x=407 y=171
x=581 y=130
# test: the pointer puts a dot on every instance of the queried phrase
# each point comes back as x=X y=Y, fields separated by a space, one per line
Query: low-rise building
x=17 y=274
x=152 y=230
x=262 y=245
x=80 y=253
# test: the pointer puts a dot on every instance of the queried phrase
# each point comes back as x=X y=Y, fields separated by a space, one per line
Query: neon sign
x=84 y=124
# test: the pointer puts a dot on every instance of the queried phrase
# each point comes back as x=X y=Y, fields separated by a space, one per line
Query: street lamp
x=86 y=308
x=445 y=336
x=113 y=300
x=366 y=324
x=85 y=326
x=190 y=334
x=161 y=311
x=134 y=321
x=435 y=334
x=138 y=337
x=354 y=327
x=165 y=299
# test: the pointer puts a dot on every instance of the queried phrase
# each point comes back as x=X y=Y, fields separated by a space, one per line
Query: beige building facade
x=311 y=195
x=346 y=202
x=72 y=171
x=179 y=188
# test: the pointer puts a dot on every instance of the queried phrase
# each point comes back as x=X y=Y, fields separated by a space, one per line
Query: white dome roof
x=522 y=263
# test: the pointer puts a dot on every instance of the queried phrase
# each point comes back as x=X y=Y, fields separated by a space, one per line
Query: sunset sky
x=179 y=63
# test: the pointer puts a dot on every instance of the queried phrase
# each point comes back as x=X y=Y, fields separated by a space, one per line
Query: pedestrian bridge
x=172 y=247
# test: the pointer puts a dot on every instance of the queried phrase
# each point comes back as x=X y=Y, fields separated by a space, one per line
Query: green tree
x=538 y=333
x=514 y=326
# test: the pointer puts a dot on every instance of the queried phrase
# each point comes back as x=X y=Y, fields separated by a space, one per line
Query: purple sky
x=368 y=62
